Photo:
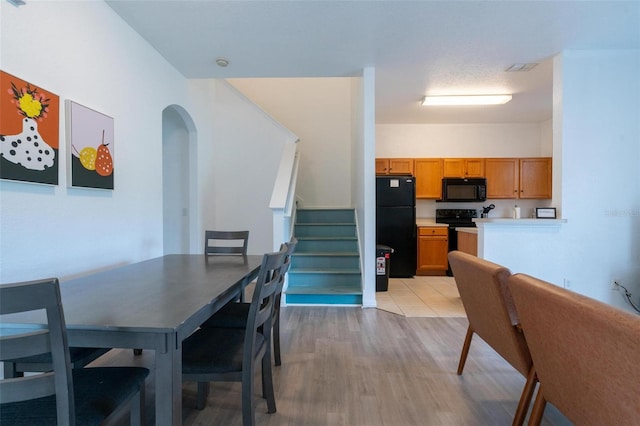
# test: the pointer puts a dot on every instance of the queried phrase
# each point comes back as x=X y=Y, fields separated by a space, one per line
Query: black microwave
x=464 y=190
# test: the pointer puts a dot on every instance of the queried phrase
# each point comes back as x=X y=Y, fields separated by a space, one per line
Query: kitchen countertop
x=522 y=221
x=429 y=222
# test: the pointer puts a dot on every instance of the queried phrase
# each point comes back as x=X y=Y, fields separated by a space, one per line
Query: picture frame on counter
x=545 y=212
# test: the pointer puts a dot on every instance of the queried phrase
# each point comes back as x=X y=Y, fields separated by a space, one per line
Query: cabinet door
x=474 y=167
x=463 y=167
x=428 y=173
x=502 y=177
x=432 y=255
x=535 y=178
x=401 y=166
x=453 y=167
x=382 y=166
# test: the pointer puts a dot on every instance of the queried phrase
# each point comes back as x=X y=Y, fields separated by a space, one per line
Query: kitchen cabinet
x=433 y=248
x=428 y=173
x=468 y=242
x=518 y=178
x=394 y=166
x=535 y=178
x=463 y=167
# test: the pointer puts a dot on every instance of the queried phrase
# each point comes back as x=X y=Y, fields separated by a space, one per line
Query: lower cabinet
x=468 y=242
x=433 y=247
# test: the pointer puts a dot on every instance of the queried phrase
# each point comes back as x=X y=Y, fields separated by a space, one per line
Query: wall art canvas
x=91 y=143
x=29 y=131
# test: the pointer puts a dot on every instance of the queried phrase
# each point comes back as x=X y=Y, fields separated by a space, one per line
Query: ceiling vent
x=521 y=67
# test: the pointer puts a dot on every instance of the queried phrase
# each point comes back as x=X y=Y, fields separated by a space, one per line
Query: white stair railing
x=283 y=196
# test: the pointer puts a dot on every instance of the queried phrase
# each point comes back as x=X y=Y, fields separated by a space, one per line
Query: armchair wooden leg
x=538 y=408
x=525 y=398
x=465 y=350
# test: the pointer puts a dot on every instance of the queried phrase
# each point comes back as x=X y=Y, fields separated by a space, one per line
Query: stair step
x=327 y=279
x=325 y=216
x=325 y=230
x=327 y=244
x=326 y=261
x=325 y=268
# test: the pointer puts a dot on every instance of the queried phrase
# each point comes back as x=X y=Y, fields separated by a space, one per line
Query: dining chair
x=483 y=289
x=234 y=315
x=232 y=354
x=586 y=353
x=64 y=396
x=226 y=242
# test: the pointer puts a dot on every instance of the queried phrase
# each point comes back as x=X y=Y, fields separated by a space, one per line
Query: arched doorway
x=179 y=178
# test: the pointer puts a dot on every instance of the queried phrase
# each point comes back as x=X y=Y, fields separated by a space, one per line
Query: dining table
x=154 y=304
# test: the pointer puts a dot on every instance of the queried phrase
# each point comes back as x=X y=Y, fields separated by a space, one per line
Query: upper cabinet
x=518 y=177
x=394 y=166
x=507 y=178
x=464 y=167
x=428 y=173
x=535 y=178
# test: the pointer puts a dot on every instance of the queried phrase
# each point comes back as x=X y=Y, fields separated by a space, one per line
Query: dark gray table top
x=155 y=295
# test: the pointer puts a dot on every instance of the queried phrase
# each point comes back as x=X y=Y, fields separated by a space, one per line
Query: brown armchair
x=587 y=354
x=492 y=316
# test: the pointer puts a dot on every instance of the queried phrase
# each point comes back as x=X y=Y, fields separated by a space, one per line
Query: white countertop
x=522 y=221
x=427 y=222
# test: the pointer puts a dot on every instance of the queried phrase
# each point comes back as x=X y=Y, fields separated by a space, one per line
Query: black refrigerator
x=396 y=222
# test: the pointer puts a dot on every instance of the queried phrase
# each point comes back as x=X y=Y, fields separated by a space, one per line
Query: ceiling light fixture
x=222 y=62
x=466 y=100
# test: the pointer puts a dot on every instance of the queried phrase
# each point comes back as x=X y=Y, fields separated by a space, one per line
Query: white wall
x=239 y=165
x=597 y=114
x=318 y=110
x=83 y=51
x=363 y=178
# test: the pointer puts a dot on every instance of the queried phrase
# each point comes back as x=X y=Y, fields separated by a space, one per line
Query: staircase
x=325 y=267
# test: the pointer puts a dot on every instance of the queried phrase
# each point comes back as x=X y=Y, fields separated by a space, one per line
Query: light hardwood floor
x=352 y=366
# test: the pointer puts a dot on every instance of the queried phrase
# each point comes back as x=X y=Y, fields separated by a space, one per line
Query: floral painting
x=90 y=147
x=29 y=132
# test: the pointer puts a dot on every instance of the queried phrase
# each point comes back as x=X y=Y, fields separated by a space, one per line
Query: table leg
x=169 y=383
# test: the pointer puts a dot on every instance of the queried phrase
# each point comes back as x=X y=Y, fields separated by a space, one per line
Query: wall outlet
x=566 y=283
x=615 y=285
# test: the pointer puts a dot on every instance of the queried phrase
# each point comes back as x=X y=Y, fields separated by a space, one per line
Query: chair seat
x=231 y=315
x=215 y=350
x=98 y=393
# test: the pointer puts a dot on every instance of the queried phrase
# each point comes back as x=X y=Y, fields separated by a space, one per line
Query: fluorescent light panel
x=466 y=100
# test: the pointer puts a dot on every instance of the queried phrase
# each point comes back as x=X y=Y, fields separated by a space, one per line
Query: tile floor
x=421 y=297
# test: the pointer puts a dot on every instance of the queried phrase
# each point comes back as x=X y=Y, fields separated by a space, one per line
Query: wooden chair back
x=586 y=353
x=226 y=242
x=485 y=295
x=18 y=343
x=489 y=306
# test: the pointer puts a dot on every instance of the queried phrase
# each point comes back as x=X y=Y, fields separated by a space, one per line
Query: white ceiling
x=417 y=47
